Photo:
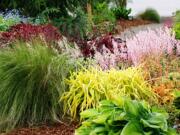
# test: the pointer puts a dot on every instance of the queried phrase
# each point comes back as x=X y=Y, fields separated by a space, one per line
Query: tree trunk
x=124 y=3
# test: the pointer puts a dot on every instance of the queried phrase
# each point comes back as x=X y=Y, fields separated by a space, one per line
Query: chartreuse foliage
x=32 y=79
x=123 y=117
x=88 y=87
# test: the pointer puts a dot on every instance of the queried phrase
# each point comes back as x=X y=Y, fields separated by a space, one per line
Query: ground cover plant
x=32 y=79
x=124 y=117
x=88 y=87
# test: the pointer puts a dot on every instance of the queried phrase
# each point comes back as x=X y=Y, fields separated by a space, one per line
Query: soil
x=58 y=129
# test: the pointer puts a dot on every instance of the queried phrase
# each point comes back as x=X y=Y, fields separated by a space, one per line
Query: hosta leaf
x=132 y=128
x=106 y=103
x=102 y=118
x=89 y=113
x=131 y=108
x=156 y=121
x=171 y=132
x=84 y=130
x=98 y=130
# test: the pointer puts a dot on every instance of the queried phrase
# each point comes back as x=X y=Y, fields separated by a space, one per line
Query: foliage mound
x=27 y=32
x=32 y=79
x=121 y=12
x=88 y=87
x=151 y=15
x=124 y=117
x=103 y=13
x=73 y=26
x=5 y=23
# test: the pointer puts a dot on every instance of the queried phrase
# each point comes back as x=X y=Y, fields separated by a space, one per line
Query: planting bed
x=105 y=75
x=58 y=129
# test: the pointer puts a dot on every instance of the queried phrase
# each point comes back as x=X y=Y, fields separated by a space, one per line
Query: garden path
x=130 y=32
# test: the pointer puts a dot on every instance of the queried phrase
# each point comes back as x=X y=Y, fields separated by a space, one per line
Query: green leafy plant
x=75 y=25
x=6 y=23
x=121 y=12
x=33 y=8
x=177 y=30
x=124 y=117
x=43 y=17
x=177 y=16
x=151 y=15
x=88 y=87
x=102 y=13
x=32 y=79
x=177 y=100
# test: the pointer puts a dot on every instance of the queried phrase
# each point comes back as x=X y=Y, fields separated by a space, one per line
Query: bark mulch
x=58 y=129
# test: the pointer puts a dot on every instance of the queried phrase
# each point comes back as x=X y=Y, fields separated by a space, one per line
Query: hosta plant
x=124 y=117
x=89 y=86
x=32 y=79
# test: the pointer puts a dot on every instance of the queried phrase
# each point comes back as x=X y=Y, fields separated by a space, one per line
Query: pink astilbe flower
x=107 y=58
x=150 y=42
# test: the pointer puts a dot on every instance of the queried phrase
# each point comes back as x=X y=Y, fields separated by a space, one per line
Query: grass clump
x=88 y=87
x=32 y=79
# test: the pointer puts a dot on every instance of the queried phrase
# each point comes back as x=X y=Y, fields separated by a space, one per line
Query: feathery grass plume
x=87 y=87
x=32 y=79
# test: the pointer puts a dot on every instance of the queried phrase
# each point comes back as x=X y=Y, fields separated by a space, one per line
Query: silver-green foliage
x=31 y=80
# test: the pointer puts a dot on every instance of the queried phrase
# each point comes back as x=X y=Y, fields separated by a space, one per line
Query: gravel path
x=129 y=33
